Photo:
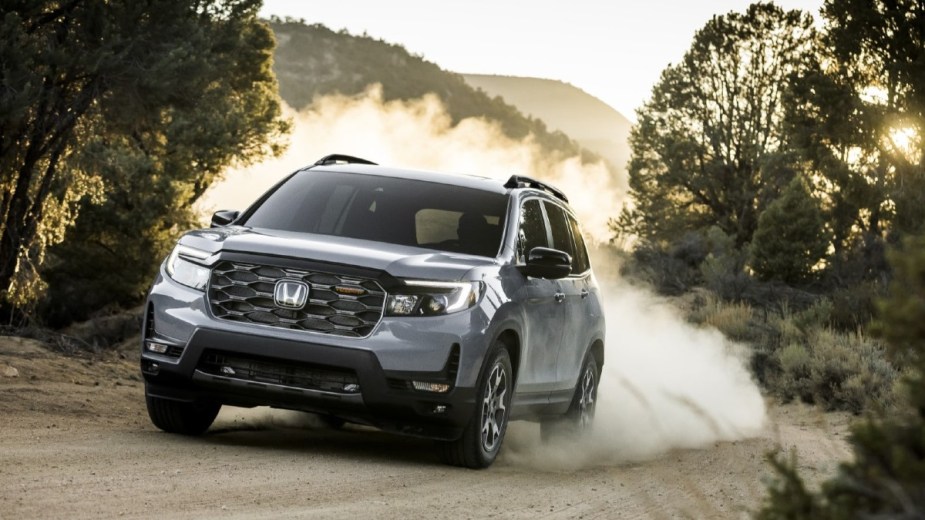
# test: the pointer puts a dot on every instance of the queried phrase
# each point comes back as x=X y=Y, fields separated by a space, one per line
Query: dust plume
x=666 y=384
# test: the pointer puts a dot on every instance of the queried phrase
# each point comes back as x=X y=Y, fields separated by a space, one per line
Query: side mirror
x=224 y=217
x=543 y=262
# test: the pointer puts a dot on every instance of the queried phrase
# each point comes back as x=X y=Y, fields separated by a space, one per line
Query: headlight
x=422 y=298
x=185 y=272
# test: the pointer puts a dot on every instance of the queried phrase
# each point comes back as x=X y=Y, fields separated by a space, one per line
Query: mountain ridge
x=564 y=107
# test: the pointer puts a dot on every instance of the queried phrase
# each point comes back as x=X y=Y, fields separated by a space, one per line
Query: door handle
x=584 y=294
x=560 y=297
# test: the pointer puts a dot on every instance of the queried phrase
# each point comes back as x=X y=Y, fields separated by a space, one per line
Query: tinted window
x=386 y=209
x=440 y=225
x=561 y=234
x=580 y=262
x=532 y=228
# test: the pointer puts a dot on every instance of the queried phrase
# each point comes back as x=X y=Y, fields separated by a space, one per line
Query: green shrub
x=836 y=370
x=886 y=476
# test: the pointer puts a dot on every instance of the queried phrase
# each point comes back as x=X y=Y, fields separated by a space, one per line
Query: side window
x=532 y=229
x=580 y=262
x=561 y=234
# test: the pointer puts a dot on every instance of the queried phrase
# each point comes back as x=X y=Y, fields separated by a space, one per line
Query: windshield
x=386 y=209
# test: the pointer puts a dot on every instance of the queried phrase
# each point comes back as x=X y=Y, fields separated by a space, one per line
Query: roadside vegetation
x=777 y=184
x=114 y=118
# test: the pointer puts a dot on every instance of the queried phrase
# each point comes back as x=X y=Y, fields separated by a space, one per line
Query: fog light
x=440 y=408
x=351 y=388
x=157 y=348
x=431 y=387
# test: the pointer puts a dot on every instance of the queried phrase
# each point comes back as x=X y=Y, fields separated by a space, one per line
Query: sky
x=612 y=49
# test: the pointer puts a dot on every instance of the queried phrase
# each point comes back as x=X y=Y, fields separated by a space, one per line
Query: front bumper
x=384 y=365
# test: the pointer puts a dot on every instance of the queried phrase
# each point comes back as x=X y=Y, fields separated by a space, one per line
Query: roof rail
x=340 y=158
x=520 y=181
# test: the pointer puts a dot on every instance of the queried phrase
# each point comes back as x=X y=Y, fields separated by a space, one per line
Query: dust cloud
x=666 y=384
x=418 y=134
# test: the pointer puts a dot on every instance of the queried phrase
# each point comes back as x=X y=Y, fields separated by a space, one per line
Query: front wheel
x=580 y=415
x=181 y=417
x=481 y=439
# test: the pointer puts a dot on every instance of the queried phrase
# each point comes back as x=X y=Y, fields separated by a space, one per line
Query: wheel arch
x=597 y=350
x=511 y=341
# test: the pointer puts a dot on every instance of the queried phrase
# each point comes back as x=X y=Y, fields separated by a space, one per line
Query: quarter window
x=580 y=262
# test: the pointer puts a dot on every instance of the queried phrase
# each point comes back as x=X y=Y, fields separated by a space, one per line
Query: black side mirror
x=224 y=217
x=543 y=262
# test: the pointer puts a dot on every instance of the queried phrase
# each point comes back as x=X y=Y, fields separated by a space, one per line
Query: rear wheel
x=580 y=415
x=481 y=439
x=180 y=417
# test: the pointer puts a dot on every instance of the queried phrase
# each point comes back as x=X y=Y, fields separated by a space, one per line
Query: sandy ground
x=75 y=442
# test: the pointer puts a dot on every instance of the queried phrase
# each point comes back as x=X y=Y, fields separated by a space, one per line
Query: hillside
x=312 y=60
x=566 y=108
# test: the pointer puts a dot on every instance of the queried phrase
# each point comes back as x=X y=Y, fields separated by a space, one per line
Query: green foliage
x=671 y=270
x=887 y=476
x=837 y=370
x=791 y=237
x=723 y=270
x=858 y=124
x=119 y=115
x=797 y=355
x=710 y=148
x=789 y=496
x=312 y=61
x=901 y=321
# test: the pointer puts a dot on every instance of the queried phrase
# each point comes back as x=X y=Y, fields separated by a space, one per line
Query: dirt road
x=75 y=442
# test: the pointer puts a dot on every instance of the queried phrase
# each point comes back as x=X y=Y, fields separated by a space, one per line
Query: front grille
x=277 y=372
x=339 y=305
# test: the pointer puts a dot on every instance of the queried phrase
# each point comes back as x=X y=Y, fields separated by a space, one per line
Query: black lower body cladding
x=253 y=370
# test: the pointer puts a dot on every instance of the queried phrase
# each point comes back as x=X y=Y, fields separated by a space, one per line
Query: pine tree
x=791 y=238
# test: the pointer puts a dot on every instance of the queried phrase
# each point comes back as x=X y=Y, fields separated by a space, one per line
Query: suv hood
x=397 y=260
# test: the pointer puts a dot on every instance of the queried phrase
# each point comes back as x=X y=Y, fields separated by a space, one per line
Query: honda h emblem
x=290 y=294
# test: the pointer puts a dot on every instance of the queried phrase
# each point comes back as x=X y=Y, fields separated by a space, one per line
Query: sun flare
x=905 y=141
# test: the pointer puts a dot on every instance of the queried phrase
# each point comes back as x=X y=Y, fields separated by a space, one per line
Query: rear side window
x=580 y=262
x=408 y=212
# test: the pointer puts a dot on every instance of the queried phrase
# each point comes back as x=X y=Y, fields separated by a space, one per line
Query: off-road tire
x=481 y=439
x=180 y=417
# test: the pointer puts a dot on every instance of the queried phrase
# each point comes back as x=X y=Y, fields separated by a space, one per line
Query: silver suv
x=428 y=304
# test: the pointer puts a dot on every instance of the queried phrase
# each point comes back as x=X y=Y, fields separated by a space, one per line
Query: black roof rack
x=340 y=158
x=520 y=181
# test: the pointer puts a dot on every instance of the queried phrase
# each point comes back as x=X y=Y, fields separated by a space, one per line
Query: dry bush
x=837 y=370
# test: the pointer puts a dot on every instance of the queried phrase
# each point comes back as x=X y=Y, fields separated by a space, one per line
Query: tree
x=791 y=237
x=709 y=147
x=858 y=120
x=120 y=114
x=886 y=478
